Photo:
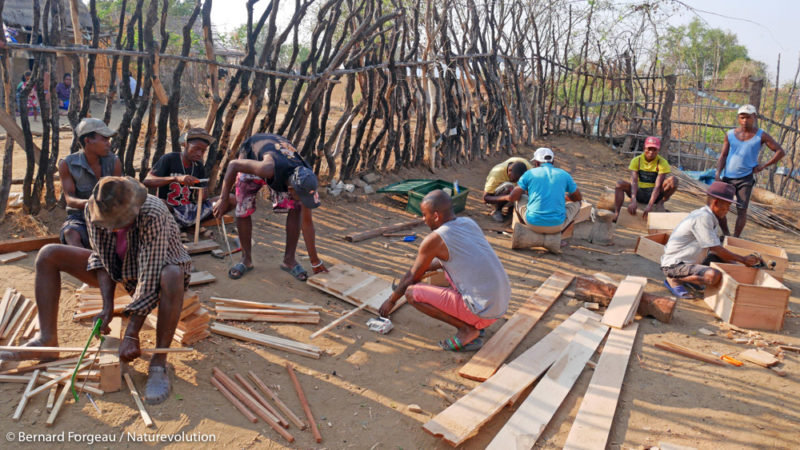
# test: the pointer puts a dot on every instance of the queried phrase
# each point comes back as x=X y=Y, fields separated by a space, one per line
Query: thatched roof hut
x=19 y=14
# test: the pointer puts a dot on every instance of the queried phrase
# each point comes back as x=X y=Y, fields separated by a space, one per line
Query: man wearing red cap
x=695 y=243
x=651 y=183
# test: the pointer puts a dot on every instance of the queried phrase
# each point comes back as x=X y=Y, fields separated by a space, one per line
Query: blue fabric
x=742 y=156
x=546 y=186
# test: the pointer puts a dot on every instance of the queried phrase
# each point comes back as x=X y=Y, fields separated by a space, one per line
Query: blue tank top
x=84 y=177
x=742 y=155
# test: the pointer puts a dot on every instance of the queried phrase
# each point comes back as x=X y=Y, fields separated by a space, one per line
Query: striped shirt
x=153 y=242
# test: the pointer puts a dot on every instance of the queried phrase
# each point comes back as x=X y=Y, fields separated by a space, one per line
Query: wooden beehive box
x=748 y=297
x=652 y=246
x=768 y=253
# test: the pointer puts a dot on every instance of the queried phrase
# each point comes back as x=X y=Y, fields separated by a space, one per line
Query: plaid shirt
x=153 y=242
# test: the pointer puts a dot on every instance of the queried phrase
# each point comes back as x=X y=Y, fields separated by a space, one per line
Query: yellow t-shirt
x=499 y=173
x=648 y=171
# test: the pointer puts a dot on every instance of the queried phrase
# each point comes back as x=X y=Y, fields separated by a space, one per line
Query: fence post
x=666 y=112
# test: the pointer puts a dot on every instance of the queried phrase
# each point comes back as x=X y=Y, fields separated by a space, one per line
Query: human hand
x=751 y=260
x=646 y=211
x=386 y=308
x=106 y=317
x=129 y=348
x=220 y=206
x=758 y=168
x=187 y=180
x=632 y=208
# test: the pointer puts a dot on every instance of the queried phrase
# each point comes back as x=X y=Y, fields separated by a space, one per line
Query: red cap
x=652 y=141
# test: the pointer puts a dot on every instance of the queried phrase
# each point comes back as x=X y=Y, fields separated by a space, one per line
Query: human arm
x=263 y=169
x=767 y=140
x=107 y=288
x=515 y=195
x=659 y=186
x=730 y=257
x=158 y=177
x=575 y=196
x=723 y=158
x=432 y=247
x=68 y=187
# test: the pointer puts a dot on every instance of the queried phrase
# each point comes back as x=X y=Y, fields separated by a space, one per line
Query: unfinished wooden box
x=748 y=297
x=652 y=246
x=664 y=222
x=768 y=253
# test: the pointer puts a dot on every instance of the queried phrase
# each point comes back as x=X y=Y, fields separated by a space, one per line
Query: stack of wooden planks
x=89 y=302
x=245 y=310
x=288 y=345
x=193 y=323
x=17 y=316
x=625 y=302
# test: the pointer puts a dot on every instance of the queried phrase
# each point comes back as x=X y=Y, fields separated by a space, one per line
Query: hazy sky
x=765 y=27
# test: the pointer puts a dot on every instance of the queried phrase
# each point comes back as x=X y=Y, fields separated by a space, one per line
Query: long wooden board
x=27 y=244
x=526 y=425
x=203 y=246
x=463 y=419
x=592 y=425
x=355 y=286
x=6 y=258
x=201 y=278
x=269 y=341
x=494 y=352
x=625 y=302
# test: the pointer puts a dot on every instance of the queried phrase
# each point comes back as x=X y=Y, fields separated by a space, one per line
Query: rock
x=414 y=408
x=371 y=177
x=359 y=182
x=368 y=189
x=349 y=187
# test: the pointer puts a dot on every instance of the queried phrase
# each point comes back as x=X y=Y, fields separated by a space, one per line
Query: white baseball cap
x=543 y=155
x=747 y=109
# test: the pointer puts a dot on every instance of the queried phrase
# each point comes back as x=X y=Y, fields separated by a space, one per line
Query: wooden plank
x=636 y=222
x=10 y=311
x=346 y=282
x=495 y=351
x=304 y=402
x=463 y=419
x=60 y=402
x=24 y=400
x=652 y=246
x=22 y=309
x=375 y=232
x=201 y=278
x=59 y=362
x=4 y=304
x=664 y=222
x=6 y=258
x=148 y=422
x=51 y=398
x=275 y=311
x=592 y=425
x=30 y=312
x=18 y=348
x=337 y=321
x=206 y=245
x=214 y=221
x=689 y=353
x=273 y=318
x=625 y=302
x=758 y=357
x=266 y=340
x=27 y=244
x=526 y=425
x=252 y=304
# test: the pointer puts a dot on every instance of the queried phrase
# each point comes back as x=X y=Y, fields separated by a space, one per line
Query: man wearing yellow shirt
x=651 y=182
x=501 y=181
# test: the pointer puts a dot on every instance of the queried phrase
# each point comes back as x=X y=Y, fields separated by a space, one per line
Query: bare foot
x=26 y=356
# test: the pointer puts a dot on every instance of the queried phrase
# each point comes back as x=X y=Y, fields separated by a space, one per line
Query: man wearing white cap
x=738 y=162
x=541 y=193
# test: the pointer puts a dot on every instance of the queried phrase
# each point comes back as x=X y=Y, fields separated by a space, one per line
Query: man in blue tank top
x=738 y=162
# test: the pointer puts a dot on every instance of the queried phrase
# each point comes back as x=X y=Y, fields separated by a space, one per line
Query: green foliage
x=701 y=51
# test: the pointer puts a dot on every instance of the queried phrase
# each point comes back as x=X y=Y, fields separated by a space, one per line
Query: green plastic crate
x=416 y=195
x=402 y=187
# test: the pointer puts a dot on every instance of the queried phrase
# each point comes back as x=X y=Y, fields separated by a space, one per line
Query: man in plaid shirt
x=136 y=242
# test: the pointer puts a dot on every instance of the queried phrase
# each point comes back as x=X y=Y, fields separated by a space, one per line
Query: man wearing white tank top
x=479 y=288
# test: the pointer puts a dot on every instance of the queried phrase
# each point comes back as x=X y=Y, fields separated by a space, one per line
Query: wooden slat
x=494 y=352
x=526 y=425
x=4 y=303
x=6 y=258
x=375 y=232
x=266 y=340
x=201 y=278
x=304 y=402
x=203 y=246
x=235 y=401
x=758 y=357
x=251 y=304
x=148 y=422
x=689 y=353
x=27 y=244
x=282 y=406
x=463 y=419
x=22 y=310
x=350 y=283
x=59 y=403
x=24 y=400
x=625 y=302
x=10 y=311
x=274 y=318
x=593 y=423
x=658 y=222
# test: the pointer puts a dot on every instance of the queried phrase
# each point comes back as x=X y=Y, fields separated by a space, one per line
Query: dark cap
x=197 y=133
x=116 y=201
x=305 y=183
x=722 y=191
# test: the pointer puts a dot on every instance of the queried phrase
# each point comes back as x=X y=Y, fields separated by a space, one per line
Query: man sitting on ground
x=480 y=289
x=174 y=172
x=134 y=242
x=79 y=174
x=501 y=181
x=695 y=239
x=650 y=182
x=270 y=159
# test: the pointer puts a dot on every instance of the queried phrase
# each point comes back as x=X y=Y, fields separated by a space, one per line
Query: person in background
x=651 y=183
x=63 y=92
x=501 y=181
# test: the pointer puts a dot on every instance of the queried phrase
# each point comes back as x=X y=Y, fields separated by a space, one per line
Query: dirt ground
x=360 y=388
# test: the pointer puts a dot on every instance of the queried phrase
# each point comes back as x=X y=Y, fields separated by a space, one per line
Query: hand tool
x=95 y=332
x=227 y=243
x=728 y=359
x=199 y=211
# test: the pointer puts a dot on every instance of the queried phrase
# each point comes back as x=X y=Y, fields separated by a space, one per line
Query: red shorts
x=450 y=302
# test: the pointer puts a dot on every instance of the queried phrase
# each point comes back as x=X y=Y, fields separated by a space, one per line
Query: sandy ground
x=360 y=388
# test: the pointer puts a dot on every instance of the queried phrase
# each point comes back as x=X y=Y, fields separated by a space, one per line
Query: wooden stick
x=790 y=348
x=51 y=398
x=242 y=409
x=364 y=235
x=55 y=380
x=27 y=244
x=14 y=379
x=252 y=304
x=88 y=388
x=197 y=220
x=24 y=400
x=251 y=403
x=689 y=353
x=255 y=394
x=282 y=406
x=17 y=348
x=57 y=362
x=339 y=320
x=264 y=339
x=304 y=402
x=148 y=422
x=57 y=407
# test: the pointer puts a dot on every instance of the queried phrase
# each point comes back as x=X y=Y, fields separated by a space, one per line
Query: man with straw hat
x=134 y=241
x=695 y=243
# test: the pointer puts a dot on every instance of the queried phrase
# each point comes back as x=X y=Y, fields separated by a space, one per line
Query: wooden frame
x=769 y=253
x=652 y=246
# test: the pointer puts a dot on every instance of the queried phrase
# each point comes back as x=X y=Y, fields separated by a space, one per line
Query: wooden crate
x=652 y=246
x=767 y=252
x=748 y=297
x=664 y=222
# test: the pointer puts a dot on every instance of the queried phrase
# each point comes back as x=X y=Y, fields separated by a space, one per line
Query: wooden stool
x=523 y=237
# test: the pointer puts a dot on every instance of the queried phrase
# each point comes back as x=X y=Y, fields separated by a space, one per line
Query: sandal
x=297 y=271
x=238 y=270
x=454 y=344
x=678 y=291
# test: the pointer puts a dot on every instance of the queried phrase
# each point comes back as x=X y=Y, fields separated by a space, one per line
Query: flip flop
x=297 y=271
x=454 y=344
x=697 y=291
x=678 y=291
x=240 y=269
